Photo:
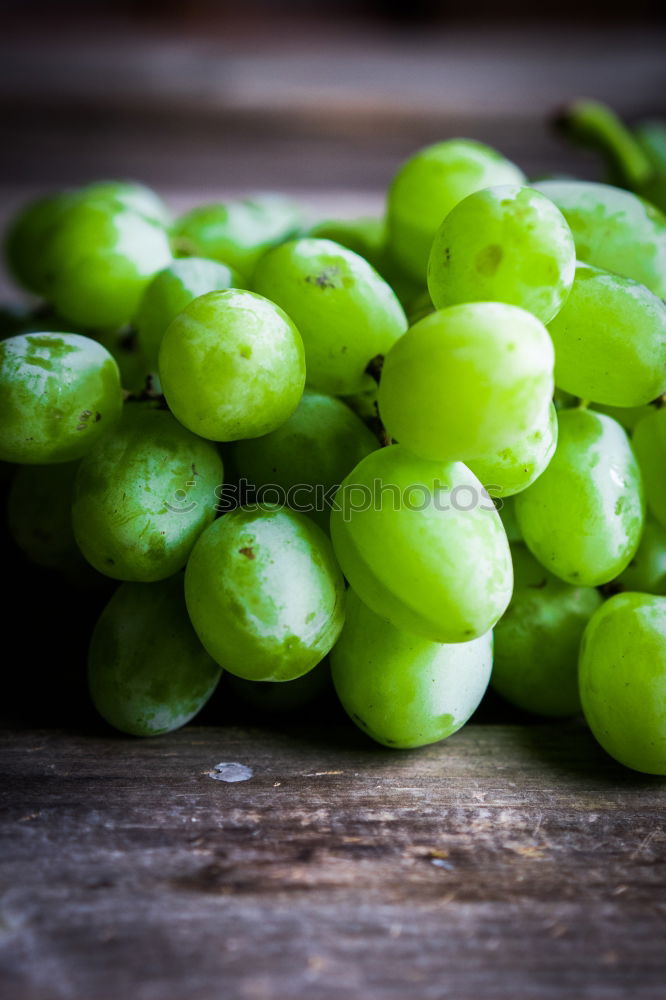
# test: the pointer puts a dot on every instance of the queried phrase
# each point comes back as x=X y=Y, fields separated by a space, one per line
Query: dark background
x=202 y=98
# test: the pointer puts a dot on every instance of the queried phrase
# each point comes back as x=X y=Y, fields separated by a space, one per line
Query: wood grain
x=510 y=862
x=307 y=108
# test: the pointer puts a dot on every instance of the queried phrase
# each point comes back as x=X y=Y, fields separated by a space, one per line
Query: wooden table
x=509 y=862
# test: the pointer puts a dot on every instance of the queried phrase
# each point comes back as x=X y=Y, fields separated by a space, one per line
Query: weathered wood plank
x=509 y=862
x=316 y=109
x=339 y=78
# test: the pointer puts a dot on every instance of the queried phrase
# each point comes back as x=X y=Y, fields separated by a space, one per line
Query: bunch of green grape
x=419 y=454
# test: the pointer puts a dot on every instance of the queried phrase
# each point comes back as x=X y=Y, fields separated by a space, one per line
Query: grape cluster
x=431 y=445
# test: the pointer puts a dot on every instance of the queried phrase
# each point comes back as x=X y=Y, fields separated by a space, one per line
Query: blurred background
x=203 y=98
x=209 y=98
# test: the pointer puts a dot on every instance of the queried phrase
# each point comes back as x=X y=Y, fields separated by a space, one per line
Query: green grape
x=232 y=366
x=428 y=185
x=610 y=340
x=171 y=291
x=503 y=244
x=365 y=236
x=649 y=442
x=401 y=689
x=274 y=697
x=537 y=639
x=35 y=225
x=613 y=229
x=346 y=313
x=583 y=517
x=622 y=676
x=27 y=235
x=238 y=233
x=628 y=416
x=137 y=197
x=646 y=572
x=422 y=545
x=143 y=496
x=59 y=393
x=147 y=671
x=264 y=593
x=513 y=469
x=308 y=456
x=466 y=381
x=98 y=259
x=39 y=513
x=507 y=513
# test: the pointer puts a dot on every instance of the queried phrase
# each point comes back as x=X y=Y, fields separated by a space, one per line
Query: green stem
x=598 y=127
x=651 y=137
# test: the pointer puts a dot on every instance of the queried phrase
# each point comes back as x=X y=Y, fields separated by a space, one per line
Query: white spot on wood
x=230 y=772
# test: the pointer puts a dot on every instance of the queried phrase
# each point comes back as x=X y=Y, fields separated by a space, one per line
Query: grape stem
x=596 y=126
